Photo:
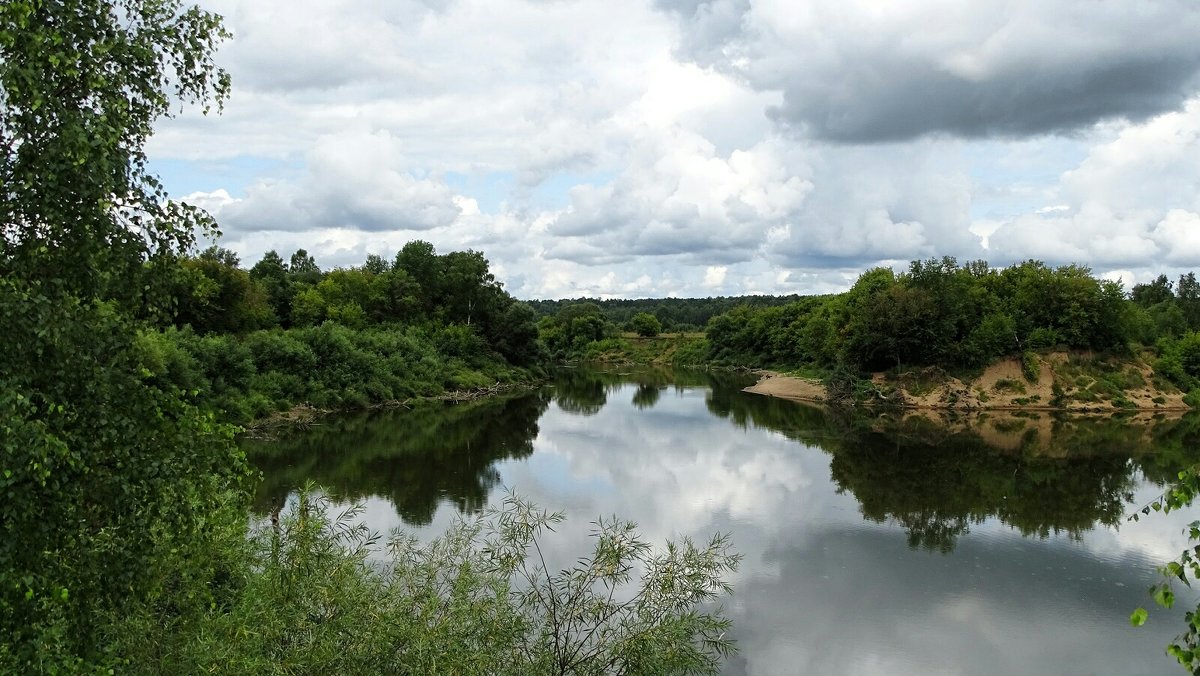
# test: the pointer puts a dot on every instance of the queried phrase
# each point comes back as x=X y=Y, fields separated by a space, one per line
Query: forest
x=673 y=314
x=254 y=342
x=965 y=316
x=937 y=312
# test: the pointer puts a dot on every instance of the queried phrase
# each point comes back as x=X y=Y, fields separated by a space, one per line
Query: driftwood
x=457 y=396
x=300 y=416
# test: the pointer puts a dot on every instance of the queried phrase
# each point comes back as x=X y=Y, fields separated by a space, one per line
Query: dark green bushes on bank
x=328 y=366
x=936 y=313
x=211 y=295
x=247 y=344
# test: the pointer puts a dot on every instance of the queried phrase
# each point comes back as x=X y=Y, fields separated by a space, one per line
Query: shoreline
x=303 y=414
x=812 y=391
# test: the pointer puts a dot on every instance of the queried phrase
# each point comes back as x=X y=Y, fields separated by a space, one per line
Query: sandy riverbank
x=1066 y=382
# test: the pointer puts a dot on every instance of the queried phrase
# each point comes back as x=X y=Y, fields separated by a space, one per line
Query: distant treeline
x=285 y=332
x=939 y=312
x=674 y=314
x=249 y=342
x=936 y=313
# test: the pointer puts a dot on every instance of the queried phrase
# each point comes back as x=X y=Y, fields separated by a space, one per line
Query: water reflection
x=874 y=544
x=934 y=476
x=937 y=475
x=413 y=458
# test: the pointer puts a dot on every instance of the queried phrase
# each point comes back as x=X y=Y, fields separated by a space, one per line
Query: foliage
x=569 y=333
x=478 y=599
x=1184 y=569
x=111 y=485
x=282 y=334
x=645 y=324
x=1031 y=366
x=692 y=352
x=244 y=377
x=81 y=85
x=213 y=296
x=114 y=487
x=675 y=314
x=1179 y=360
x=937 y=313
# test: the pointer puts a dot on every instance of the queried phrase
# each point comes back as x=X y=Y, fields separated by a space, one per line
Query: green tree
x=272 y=274
x=83 y=83
x=574 y=327
x=516 y=335
x=302 y=267
x=1188 y=298
x=113 y=488
x=220 y=255
x=645 y=324
x=1184 y=569
x=1158 y=291
x=376 y=265
x=271 y=266
x=419 y=261
x=214 y=296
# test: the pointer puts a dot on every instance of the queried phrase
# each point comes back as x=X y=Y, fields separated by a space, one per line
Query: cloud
x=714 y=275
x=351 y=180
x=1131 y=203
x=864 y=72
x=661 y=140
x=677 y=195
x=1179 y=233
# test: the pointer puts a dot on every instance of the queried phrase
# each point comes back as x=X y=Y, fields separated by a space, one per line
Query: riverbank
x=1056 y=381
x=304 y=415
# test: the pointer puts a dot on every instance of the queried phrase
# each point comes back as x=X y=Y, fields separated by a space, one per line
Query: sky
x=694 y=148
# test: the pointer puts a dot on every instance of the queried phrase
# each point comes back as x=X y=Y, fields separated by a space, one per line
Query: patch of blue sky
x=492 y=190
x=554 y=192
x=183 y=177
x=1013 y=178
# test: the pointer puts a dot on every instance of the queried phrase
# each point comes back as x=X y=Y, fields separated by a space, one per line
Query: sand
x=1002 y=386
x=775 y=384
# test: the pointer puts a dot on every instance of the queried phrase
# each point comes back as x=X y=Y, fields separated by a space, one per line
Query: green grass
x=1009 y=385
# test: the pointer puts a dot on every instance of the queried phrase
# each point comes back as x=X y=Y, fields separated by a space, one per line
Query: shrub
x=1031 y=366
x=1042 y=337
x=1192 y=398
x=478 y=599
x=645 y=325
x=1009 y=385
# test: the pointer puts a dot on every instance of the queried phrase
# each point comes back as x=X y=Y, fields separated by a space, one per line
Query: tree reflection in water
x=936 y=477
x=1035 y=472
x=414 y=458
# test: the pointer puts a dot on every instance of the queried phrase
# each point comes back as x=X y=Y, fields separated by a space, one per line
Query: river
x=872 y=545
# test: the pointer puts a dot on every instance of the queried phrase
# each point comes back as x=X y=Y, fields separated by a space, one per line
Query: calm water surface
x=872 y=546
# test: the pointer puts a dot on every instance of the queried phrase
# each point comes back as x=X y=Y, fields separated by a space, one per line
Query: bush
x=1042 y=337
x=1009 y=385
x=1031 y=366
x=112 y=483
x=476 y=600
x=692 y=352
x=645 y=324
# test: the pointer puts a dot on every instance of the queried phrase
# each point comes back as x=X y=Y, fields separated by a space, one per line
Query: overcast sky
x=639 y=148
